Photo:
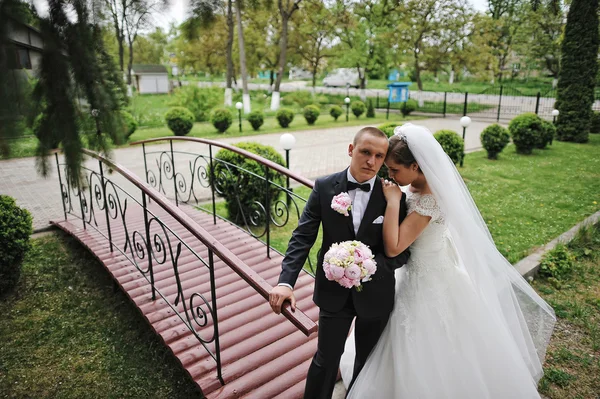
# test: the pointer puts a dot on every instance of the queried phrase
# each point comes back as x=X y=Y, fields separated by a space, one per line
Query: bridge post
x=80 y=193
x=61 y=185
x=106 y=205
x=213 y=293
x=267 y=211
x=148 y=245
x=174 y=175
x=212 y=184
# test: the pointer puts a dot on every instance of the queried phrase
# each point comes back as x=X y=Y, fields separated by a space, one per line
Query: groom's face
x=368 y=154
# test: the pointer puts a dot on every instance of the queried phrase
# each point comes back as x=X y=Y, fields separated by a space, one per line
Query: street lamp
x=347 y=101
x=465 y=121
x=554 y=115
x=239 y=106
x=287 y=142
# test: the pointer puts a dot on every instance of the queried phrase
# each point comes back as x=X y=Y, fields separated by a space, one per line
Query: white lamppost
x=347 y=101
x=287 y=142
x=239 y=106
x=555 y=113
x=465 y=121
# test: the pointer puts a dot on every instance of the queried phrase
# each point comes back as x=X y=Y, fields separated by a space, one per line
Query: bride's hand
x=391 y=191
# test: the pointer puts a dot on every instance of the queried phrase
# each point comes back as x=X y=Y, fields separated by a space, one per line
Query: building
x=150 y=79
x=25 y=44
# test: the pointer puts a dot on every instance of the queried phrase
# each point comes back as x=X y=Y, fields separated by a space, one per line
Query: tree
x=263 y=36
x=242 y=51
x=151 y=48
x=508 y=18
x=579 y=66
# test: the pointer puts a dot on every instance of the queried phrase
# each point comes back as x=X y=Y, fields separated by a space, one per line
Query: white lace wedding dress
x=441 y=340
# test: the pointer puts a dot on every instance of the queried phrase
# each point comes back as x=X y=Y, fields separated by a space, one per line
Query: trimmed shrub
x=388 y=128
x=370 y=109
x=494 y=138
x=256 y=119
x=452 y=144
x=284 y=116
x=130 y=125
x=558 y=263
x=311 y=114
x=546 y=135
x=595 y=128
x=409 y=106
x=221 y=119
x=180 y=120
x=241 y=189
x=358 y=108
x=336 y=111
x=526 y=132
x=15 y=229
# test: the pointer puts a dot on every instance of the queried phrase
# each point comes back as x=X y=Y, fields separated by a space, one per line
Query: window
x=23 y=57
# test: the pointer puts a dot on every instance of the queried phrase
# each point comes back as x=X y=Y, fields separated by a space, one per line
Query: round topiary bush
x=358 y=108
x=595 y=126
x=180 y=120
x=494 y=138
x=15 y=229
x=221 y=119
x=284 y=116
x=452 y=144
x=240 y=187
x=547 y=134
x=336 y=111
x=130 y=125
x=256 y=119
x=311 y=114
x=526 y=131
x=388 y=128
x=370 y=109
x=409 y=106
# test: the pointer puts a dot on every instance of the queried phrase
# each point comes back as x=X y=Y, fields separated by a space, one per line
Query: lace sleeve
x=426 y=205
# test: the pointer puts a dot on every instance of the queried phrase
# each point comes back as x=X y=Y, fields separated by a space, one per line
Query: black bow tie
x=353 y=186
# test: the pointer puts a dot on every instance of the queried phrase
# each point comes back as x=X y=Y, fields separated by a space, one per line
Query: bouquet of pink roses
x=349 y=263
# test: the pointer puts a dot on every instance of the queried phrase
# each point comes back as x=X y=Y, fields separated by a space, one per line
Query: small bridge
x=201 y=281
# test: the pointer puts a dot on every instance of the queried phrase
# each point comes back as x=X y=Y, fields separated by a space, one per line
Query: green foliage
x=256 y=119
x=200 y=101
x=558 y=263
x=494 y=138
x=595 y=124
x=577 y=76
x=298 y=99
x=240 y=188
x=335 y=111
x=388 y=128
x=409 y=106
x=284 y=116
x=370 y=109
x=180 y=120
x=526 y=132
x=311 y=114
x=358 y=108
x=452 y=144
x=15 y=229
x=221 y=119
x=130 y=125
x=547 y=134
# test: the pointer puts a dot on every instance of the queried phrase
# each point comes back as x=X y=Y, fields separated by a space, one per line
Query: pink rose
x=369 y=266
x=346 y=282
x=353 y=272
x=337 y=272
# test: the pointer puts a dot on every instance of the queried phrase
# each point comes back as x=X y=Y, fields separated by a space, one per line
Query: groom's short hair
x=369 y=130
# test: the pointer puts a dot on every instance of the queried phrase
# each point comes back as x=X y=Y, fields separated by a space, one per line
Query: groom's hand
x=279 y=295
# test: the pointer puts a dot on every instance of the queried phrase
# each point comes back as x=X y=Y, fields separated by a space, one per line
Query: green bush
x=558 y=263
x=198 y=100
x=526 y=132
x=15 y=229
x=284 y=116
x=180 y=120
x=256 y=119
x=336 y=111
x=388 y=128
x=241 y=189
x=311 y=114
x=546 y=135
x=221 y=119
x=358 y=108
x=595 y=128
x=370 y=109
x=409 y=106
x=129 y=123
x=494 y=138
x=299 y=99
x=452 y=144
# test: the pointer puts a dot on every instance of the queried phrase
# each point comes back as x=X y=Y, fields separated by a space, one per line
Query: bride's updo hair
x=399 y=152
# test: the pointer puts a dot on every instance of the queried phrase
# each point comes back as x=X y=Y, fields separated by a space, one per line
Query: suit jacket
x=377 y=296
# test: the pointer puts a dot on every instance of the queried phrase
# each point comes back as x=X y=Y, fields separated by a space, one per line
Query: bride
x=465 y=324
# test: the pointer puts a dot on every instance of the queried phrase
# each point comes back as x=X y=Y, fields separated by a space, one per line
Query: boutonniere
x=342 y=203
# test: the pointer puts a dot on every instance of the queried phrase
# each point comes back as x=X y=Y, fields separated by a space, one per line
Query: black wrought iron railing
x=258 y=199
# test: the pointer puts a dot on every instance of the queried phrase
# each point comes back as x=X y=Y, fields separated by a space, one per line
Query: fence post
x=105 y=204
x=62 y=199
x=174 y=175
x=537 y=103
x=499 y=103
x=466 y=102
x=267 y=211
x=212 y=184
x=148 y=244
x=445 y=95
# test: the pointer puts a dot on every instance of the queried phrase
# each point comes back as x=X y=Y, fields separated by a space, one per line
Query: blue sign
x=398 y=92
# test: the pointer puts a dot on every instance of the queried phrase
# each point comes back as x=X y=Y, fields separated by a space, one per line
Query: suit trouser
x=333 y=330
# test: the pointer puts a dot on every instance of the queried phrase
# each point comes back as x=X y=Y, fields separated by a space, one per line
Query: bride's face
x=402 y=175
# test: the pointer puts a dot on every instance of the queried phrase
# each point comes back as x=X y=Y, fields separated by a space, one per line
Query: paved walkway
x=317 y=153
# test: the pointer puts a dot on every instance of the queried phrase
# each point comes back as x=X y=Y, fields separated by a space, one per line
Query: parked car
x=342 y=77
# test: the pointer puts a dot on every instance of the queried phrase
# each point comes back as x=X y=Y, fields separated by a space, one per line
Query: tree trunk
x=282 y=55
x=121 y=50
x=130 y=62
x=245 y=95
x=314 y=72
x=229 y=77
x=418 y=71
x=271 y=77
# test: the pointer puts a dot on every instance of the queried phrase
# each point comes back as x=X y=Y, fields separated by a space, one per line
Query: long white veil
x=509 y=298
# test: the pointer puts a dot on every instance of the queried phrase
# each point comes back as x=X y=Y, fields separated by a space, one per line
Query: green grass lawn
x=66 y=334
x=572 y=368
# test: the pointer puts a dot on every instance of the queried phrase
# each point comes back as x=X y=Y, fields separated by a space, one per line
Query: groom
x=338 y=305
